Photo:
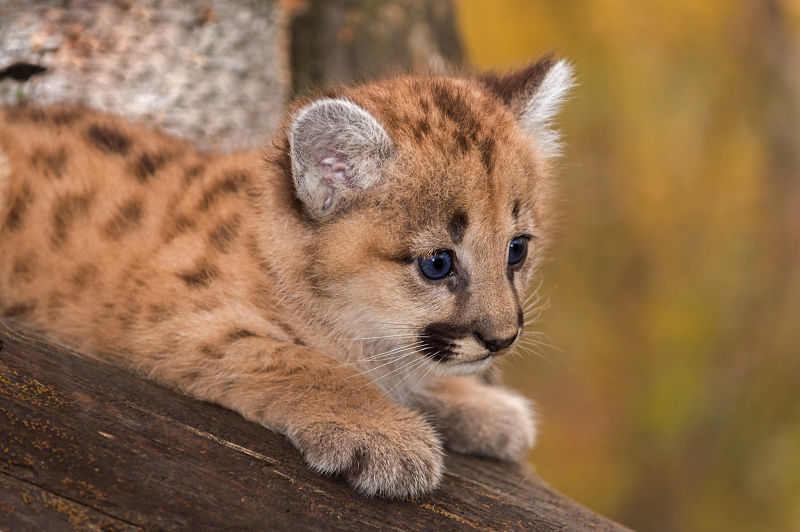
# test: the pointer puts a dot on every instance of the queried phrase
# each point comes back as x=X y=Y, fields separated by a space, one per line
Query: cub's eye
x=437 y=266
x=517 y=250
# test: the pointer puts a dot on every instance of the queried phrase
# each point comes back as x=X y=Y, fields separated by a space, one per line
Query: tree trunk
x=212 y=72
x=351 y=40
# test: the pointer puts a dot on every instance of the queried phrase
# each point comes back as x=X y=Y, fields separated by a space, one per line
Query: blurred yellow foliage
x=676 y=287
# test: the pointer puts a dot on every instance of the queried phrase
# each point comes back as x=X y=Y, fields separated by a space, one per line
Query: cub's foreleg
x=479 y=418
x=338 y=420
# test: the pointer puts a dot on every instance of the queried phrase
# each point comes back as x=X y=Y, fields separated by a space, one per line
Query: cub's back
x=89 y=203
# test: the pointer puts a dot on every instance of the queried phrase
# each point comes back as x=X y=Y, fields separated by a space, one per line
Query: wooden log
x=88 y=446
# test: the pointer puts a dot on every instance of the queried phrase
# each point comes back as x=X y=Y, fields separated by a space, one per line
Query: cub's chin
x=459 y=364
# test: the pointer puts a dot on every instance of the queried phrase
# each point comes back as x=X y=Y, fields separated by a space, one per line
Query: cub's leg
x=478 y=418
x=337 y=419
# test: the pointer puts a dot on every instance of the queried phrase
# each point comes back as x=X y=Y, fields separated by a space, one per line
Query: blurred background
x=671 y=400
x=675 y=404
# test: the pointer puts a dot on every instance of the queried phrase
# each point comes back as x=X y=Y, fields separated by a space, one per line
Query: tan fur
x=208 y=274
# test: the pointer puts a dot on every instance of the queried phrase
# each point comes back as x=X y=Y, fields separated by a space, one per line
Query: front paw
x=492 y=422
x=398 y=458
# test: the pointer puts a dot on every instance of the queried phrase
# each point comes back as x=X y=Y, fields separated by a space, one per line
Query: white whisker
x=421 y=362
x=393 y=356
x=387 y=336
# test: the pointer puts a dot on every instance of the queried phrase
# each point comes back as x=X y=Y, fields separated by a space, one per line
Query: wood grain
x=87 y=446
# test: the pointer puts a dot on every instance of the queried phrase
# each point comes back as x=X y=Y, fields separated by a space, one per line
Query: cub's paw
x=396 y=459
x=492 y=422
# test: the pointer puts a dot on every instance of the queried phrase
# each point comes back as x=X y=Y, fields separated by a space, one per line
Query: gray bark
x=212 y=72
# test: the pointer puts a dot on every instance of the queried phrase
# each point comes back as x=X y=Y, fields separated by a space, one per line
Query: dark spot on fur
x=180 y=225
x=19 y=309
x=212 y=352
x=66 y=210
x=108 y=140
x=454 y=107
x=127 y=218
x=201 y=276
x=191 y=173
x=290 y=332
x=85 y=274
x=457 y=226
x=17 y=208
x=50 y=161
x=224 y=233
x=129 y=315
x=147 y=164
x=23 y=267
x=158 y=313
x=126 y=321
x=515 y=209
x=486 y=148
x=424 y=127
x=229 y=184
x=462 y=142
x=238 y=334
x=317 y=285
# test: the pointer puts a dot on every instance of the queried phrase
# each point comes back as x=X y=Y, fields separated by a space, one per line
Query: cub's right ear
x=337 y=150
x=535 y=94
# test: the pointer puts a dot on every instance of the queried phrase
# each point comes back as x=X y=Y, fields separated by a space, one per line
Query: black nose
x=495 y=344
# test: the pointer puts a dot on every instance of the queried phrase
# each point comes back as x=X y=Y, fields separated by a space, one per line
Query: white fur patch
x=543 y=106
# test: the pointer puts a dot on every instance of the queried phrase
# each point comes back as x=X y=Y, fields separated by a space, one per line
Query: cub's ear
x=535 y=93
x=337 y=149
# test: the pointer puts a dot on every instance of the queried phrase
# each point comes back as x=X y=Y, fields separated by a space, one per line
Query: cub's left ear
x=535 y=94
x=337 y=150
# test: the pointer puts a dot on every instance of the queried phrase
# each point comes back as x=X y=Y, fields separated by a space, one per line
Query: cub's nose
x=495 y=344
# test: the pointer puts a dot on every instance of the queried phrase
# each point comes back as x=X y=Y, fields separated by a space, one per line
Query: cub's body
x=116 y=237
x=286 y=283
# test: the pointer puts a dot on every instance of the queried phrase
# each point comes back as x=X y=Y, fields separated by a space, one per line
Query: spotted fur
x=285 y=284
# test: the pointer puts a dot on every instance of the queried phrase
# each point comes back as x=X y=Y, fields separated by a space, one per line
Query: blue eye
x=437 y=266
x=517 y=250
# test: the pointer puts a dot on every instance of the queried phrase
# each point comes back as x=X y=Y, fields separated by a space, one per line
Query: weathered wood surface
x=86 y=446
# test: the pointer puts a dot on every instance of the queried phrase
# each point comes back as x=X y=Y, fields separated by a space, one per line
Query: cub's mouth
x=458 y=349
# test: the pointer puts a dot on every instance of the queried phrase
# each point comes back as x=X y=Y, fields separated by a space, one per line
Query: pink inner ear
x=334 y=169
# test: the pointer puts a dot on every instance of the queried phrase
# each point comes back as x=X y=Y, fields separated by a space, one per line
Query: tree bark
x=86 y=446
x=213 y=72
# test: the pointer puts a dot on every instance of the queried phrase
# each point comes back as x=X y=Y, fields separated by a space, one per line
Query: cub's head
x=427 y=201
